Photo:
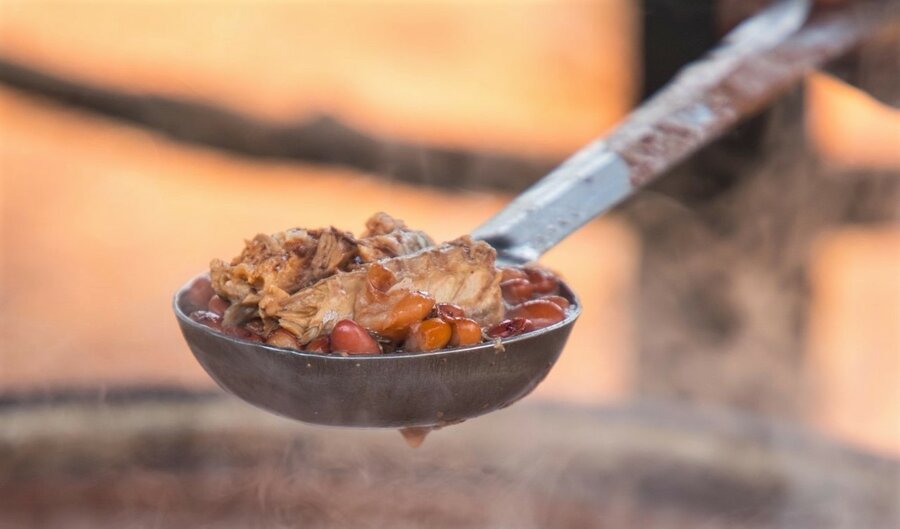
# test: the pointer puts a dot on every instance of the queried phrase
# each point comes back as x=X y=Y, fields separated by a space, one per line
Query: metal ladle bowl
x=390 y=390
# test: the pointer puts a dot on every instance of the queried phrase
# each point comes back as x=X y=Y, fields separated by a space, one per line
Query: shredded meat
x=461 y=272
x=386 y=236
x=277 y=266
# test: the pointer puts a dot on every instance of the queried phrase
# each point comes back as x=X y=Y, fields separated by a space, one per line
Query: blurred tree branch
x=319 y=140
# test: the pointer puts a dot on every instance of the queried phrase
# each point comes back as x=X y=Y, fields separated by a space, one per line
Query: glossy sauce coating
x=351 y=338
x=410 y=321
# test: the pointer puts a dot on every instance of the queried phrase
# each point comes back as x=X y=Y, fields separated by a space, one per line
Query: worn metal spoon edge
x=392 y=390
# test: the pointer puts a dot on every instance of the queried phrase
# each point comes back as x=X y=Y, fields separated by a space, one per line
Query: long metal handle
x=583 y=187
x=756 y=62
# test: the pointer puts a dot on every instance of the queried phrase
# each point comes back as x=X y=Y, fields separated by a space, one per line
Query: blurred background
x=138 y=140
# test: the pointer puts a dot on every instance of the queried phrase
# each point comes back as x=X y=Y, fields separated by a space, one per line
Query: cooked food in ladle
x=391 y=290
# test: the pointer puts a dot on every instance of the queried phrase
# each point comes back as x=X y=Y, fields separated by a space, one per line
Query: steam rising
x=220 y=463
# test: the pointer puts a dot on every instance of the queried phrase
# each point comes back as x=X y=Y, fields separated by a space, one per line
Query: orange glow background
x=101 y=222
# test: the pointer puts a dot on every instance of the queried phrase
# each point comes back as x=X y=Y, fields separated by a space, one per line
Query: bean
x=380 y=278
x=516 y=291
x=511 y=327
x=542 y=281
x=512 y=273
x=540 y=311
x=283 y=338
x=199 y=292
x=217 y=305
x=243 y=333
x=349 y=337
x=413 y=308
x=214 y=321
x=560 y=301
x=429 y=335
x=448 y=311
x=322 y=344
x=464 y=331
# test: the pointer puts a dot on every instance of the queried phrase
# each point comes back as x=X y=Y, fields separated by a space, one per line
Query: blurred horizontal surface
x=218 y=463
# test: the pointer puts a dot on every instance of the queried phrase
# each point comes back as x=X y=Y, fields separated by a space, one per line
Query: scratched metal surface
x=735 y=81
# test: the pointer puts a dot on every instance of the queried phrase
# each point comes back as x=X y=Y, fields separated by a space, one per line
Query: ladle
x=757 y=61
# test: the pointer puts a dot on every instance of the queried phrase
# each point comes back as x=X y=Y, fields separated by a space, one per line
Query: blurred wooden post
x=674 y=33
x=726 y=241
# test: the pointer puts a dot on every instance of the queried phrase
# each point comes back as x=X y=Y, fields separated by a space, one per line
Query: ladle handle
x=583 y=187
x=759 y=60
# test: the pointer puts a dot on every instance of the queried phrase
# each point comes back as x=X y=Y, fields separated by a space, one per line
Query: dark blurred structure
x=726 y=237
x=319 y=140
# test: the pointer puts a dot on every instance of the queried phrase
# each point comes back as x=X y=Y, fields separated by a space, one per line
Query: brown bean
x=542 y=281
x=322 y=344
x=283 y=338
x=448 y=311
x=429 y=335
x=380 y=278
x=349 y=337
x=413 y=308
x=560 y=301
x=217 y=305
x=464 y=331
x=512 y=273
x=540 y=311
x=516 y=291
x=511 y=327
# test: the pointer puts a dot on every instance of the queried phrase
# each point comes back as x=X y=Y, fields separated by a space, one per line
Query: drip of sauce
x=415 y=435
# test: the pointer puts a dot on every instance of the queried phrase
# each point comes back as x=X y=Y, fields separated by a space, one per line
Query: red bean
x=349 y=337
x=322 y=344
x=429 y=335
x=464 y=332
x=448 y=312
x=540 y=311
x=512 y=273
x=511 y=327
x=516 y=291
x=217 y=305
x=542 y=281
x=199 y=292
x=243 y=333
x=214 y=321
x=560 y=301
x=283 y=338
